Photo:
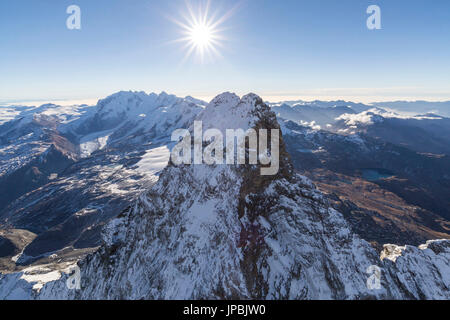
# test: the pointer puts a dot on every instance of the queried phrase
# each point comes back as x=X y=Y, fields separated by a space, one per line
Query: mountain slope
x=388 y=193
x=75 y=171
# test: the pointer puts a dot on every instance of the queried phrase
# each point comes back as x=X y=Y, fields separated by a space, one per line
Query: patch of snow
x=94 y=142
x=154 y=161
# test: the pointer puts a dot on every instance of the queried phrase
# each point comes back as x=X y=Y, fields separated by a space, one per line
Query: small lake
x=375 y=174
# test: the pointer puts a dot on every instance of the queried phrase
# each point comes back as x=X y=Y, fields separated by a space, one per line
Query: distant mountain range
x=410 y=107
x=418 y=107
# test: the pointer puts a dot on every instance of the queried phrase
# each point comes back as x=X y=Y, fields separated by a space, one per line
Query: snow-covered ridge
x=393 y=252
x=357 y=107
x=124 y=116
x=63 y=114
x=378 y=115
x=114 y=119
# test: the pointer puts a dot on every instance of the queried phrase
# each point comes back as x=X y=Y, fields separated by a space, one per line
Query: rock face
x=420 y=273
x=226 y=232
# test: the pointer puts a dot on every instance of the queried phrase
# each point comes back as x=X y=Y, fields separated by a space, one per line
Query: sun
x=201 y=36
x=202 y=32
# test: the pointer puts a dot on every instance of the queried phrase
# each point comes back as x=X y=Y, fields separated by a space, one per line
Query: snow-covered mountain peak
x=130 y=103
x=225 y=99
x=228 y=111
x=133 y=117
x=252 y=99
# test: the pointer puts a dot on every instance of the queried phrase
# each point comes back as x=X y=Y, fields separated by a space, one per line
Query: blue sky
x=285 y=49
